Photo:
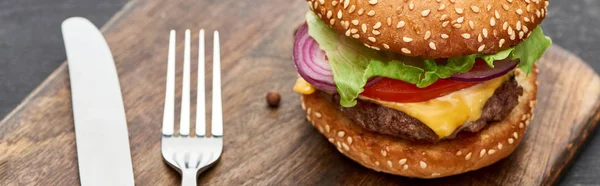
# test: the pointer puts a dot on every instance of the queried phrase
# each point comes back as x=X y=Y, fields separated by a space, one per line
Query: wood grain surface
x=263 y=145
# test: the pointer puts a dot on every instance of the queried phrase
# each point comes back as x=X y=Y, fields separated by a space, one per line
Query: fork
x=191 y=155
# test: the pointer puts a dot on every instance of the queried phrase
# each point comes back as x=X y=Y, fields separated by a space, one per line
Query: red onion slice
x=312 y=63
x=482 y=72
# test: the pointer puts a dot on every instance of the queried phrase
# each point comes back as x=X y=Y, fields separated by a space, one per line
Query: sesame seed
x=492 y=21
x=372 y=39
x=489 y=7
x=458 y=153
x=521 y=125
x=423 y=164
x=349 y=139
x=527 y=1
x=303 y=105
x=479 y=38
x=371 y=13
x=501 y=42
x=322 y=2
x=389 y=21
x=491 y=151
x=332 y=21
x=346 y=24
x=468 y=156
x=442 y=7
x=334 y=3
x=405 y=167
x=310 y=5
x=377 y=25
x=355 y=22
x=308 y=111
x=339 y=145
x=484 y=31
x=376 y=163
x=354 y=30
x=480 y=48
x=400 y=24
x=466 y=35
x=460 y=19
x=516 y=135
x=511 y=141
x=406 y=39
x=471 y=24
x=375 y=48
x=424 y=13
x=352 y=8
x=402 y=161
x=521 y=33
x=443 y=17
x=528 y=8
x=497 y=14
x=499 y=146
x=505 y=25
x=405 y=50
x=364 y=28
x=427 y=35
x=360 y=11
x=329 y=14
x=510 y=1
x=482 y=153
x=339 y=14
x=331 y=140
x=445 y=36
x=475 y=9
x=346 y=147
x=327 y=128
x=383 y=153
x=411 y=6
x=346 y=3
x=458 y=10
x=356 y=36
x=376 y=32
x=373 y=2
x=445 y=23
x=386 y=46
x=389 y=163
x=438 y=1
x=432 y=45
x=318 y=114
x=453 y=1
x=537 y=13
x=457 y=25
x=519 y=11
x=435 y=174
x=495 y=33
x=513 y=37
x=505 y=6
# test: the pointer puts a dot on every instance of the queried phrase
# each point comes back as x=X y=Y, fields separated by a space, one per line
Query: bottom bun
x=469 y=151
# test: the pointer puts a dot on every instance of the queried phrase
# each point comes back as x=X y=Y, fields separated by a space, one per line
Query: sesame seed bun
x=388 y=154
x=434 y=29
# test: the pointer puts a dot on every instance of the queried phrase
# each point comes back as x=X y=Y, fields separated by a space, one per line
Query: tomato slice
x=399 y=91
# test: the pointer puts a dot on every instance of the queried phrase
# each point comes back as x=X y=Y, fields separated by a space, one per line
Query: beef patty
x=384 y=120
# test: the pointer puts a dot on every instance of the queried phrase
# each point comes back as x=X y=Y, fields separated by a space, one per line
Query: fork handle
x=189 y=178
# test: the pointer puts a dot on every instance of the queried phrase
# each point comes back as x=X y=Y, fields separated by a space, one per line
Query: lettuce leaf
x=353 y=64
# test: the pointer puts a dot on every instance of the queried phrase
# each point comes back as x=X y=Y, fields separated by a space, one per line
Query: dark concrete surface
x=31 y=47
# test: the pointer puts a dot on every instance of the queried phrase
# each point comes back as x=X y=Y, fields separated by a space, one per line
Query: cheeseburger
x=421 y=88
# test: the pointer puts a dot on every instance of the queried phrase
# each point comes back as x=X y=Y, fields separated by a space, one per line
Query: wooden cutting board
x=264 y=145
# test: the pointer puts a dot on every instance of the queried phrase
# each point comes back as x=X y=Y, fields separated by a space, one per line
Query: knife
x=100 y=126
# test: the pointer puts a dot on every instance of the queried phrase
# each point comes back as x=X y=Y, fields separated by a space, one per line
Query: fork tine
x=184 y=124
x=169 y=110
x=217 y=110
x=200 y=104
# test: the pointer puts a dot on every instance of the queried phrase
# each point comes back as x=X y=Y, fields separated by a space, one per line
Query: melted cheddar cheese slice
x=443 y=114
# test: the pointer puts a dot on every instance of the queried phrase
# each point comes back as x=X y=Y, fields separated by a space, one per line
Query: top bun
x=434 y=28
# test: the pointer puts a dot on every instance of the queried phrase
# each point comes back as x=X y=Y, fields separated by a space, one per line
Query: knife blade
x=103 y=153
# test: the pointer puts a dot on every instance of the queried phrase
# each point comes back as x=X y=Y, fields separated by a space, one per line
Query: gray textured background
x=31 y=47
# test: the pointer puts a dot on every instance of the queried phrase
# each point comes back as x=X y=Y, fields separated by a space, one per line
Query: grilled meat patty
x=384 y=120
